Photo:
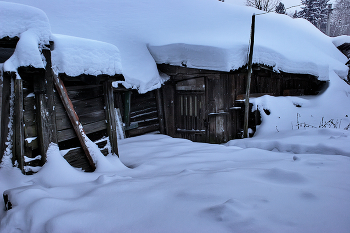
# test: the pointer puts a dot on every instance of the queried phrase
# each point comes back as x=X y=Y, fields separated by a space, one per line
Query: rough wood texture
x=18 y=125
x=111 y=117
x=5 y=110
x=160 y=111
x=168 y=92
x=66 y=134
x=73 y=117
x=77 y=158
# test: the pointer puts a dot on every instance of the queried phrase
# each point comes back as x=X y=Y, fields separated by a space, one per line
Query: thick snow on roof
x=201 y=33
x=339 y=40
x=75 y=56
x=32 y=27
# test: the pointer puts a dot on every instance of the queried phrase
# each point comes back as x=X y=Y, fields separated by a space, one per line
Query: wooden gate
x=190 y=115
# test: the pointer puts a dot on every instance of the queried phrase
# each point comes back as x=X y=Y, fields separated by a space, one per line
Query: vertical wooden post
x=127 y=106
x=160 y=111
x=46 y=117
x=73 y=117
x=1 y=104
x=111 y=116
x=246 y=110
x=19 y=125
x=169 y=108
x=5 y=110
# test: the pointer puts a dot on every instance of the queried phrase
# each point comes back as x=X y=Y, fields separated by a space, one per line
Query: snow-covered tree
x=340 y=18
x=265 y=5
x=280 y=8
x=316 y=12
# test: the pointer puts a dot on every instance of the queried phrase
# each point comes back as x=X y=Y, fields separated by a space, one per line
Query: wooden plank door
x=191 y=118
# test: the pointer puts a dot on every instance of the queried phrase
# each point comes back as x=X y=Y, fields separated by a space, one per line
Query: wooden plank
x=139 y=106
x=143 y=130
x=77 y=158
x=111 y=117
x=66 y=134
x=18 y=125
x=63 y=122
x=144 y=116
x=84 y=92
x=84 y=106
x=78 y=128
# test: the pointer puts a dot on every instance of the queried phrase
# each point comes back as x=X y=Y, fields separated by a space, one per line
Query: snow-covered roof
x=203 y=34
x=340 y=40
x=75 y=56
x=33 y=29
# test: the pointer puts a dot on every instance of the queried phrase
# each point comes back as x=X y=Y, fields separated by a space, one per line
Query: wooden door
x=190 y=110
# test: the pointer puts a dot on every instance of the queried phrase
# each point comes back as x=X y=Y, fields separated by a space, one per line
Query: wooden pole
x=19 y=125
x=78 y=128
x=46 y=114
x=111 y=116
x=250 y=60
x=127 y=106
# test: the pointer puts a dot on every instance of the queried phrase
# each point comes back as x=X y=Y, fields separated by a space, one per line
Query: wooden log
x=111 y=117
x=18 y=125
x=78 y=128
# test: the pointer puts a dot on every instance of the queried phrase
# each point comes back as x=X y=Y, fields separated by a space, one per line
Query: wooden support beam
x=19 y=125
x=160 y=111
x=111 y=116
x=169 y=108
x=45 y=112
x=78 y=128
x=127 y=106
x=246 y=110
x=8 y=77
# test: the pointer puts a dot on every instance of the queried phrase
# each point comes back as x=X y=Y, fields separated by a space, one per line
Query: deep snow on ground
x=174 y=185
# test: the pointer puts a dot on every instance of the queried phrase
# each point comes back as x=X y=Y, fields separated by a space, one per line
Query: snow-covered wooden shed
x=55 y=89
x=208 y=106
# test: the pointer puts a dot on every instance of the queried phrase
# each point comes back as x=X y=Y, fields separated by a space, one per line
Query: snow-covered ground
x=174 y=185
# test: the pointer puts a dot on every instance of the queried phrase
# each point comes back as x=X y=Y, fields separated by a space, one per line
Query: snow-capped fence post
x=111 y=116
x=73 y=117
x=246 y=110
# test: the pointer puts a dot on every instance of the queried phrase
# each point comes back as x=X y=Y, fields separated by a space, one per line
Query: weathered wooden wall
x=222 y=99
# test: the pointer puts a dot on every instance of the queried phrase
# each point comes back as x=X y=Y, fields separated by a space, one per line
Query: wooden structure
x=41 y=115
x=345 y=49
x=200 y=105
x=208 y=106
